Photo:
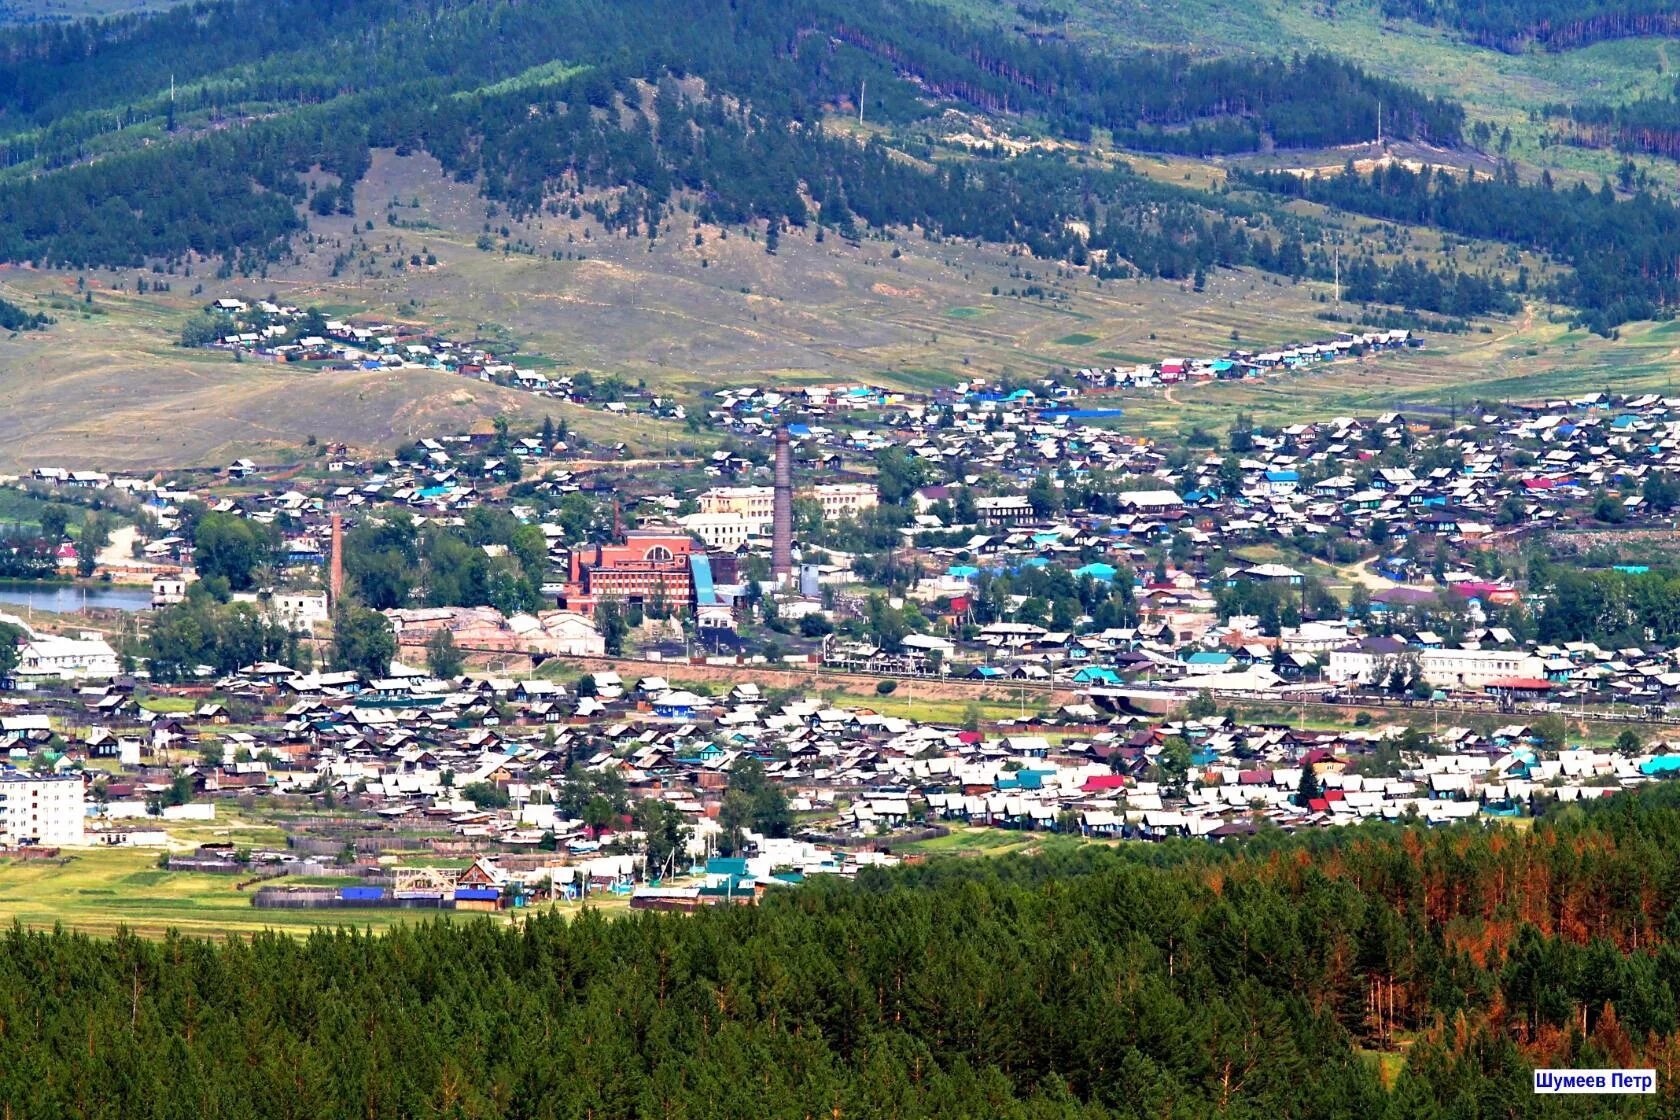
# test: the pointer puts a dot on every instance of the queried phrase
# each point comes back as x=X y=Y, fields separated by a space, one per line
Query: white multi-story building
x=754 y=504
x=722 y=530
x=843 y=499
x=299 y=610
x=41 y=809
x=1315 y=637
x=168 y=590
x=1469 y=669
x=49 y=655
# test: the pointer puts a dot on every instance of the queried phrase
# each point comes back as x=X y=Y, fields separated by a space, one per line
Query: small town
x=913 y=559
x=868 y=625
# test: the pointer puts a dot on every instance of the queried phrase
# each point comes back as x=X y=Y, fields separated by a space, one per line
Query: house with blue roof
x=677 y=704
x=711 y=752
x=1208 y=661
x=1096 y=674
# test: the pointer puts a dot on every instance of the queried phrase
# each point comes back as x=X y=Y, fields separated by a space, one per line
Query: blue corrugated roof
x=700 y=567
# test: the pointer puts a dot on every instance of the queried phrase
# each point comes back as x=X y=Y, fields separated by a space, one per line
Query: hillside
x=1499 y=89
x=823 y=190
x=893 y=309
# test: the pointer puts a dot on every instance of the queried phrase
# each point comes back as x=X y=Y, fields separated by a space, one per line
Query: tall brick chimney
x=781 y=538
x=335 y=585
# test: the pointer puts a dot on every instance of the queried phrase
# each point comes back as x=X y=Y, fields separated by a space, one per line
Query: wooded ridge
x=1250 y=980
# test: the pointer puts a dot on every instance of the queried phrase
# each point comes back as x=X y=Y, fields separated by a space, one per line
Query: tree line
x=1515 y=25
x=1648 y=124
x=1245 y=979
x=789 y=60
x=391 y=562
x=1611 y=607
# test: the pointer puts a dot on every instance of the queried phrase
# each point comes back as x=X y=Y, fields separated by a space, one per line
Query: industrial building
x=648 y=566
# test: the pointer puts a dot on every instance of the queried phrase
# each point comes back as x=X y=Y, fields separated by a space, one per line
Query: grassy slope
x=111 y=389
x=1495 y=87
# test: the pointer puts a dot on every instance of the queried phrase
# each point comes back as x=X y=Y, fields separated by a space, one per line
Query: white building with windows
x=843 y=499
x=41 y=809
x=722 y=530
x=52 y=656
x=756 y=505
x=299 y=610
x=1478 y=668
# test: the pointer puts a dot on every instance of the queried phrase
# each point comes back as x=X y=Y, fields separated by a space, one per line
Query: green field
x=101 y=891
x=962 y=841
x=997 y=707
x=1076 y=339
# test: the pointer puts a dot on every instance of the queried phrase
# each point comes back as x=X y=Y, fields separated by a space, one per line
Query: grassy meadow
x=103 y=890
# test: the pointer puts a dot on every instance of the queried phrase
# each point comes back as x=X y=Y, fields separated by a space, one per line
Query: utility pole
x=1336 y=255
x=863 y=84
x=1379 y=124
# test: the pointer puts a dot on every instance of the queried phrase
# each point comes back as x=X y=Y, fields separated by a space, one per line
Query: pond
x=65 y=599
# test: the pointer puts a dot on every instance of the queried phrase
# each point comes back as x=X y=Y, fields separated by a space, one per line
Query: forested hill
x=1625 y=255
x=1276 y=980
x=1514 y=25
x=789 y=59
x=539 y=100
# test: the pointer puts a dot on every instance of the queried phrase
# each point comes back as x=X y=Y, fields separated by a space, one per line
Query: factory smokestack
x=336 y=579
x=781 y=539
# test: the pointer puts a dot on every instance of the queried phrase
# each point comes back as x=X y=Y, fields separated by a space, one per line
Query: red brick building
x=633 y=572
